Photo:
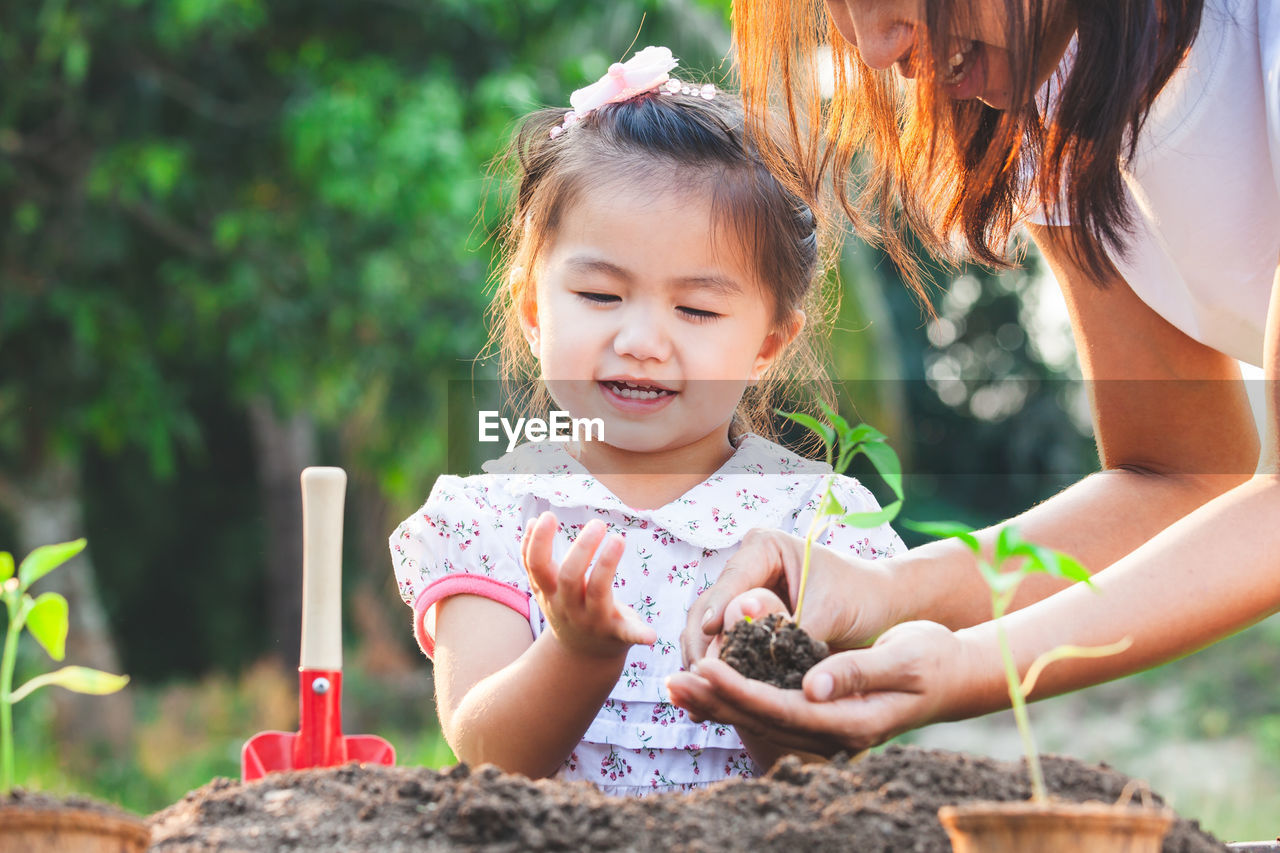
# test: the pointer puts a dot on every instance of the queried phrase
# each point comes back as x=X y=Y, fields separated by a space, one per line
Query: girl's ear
x=776 y=343
x=527 y=308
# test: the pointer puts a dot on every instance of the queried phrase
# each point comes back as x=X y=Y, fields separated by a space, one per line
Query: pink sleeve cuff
x=461 y=584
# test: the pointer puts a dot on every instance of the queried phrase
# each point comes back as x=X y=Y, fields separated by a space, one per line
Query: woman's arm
x=1174 y=431
x=507 y=699
x=1211 y=573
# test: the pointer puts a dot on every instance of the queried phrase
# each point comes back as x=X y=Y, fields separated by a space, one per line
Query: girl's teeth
x=957 y=60
x=632 y=393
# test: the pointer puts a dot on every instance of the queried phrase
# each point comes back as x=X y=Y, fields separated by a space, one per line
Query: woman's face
x=891 y=33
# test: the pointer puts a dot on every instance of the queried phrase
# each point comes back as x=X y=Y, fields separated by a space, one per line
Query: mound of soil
x=883 y=803
x=774 y=649
x=22 y=798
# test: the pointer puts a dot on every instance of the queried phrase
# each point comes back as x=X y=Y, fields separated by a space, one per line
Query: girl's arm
x=520 y=703
x=507 y=699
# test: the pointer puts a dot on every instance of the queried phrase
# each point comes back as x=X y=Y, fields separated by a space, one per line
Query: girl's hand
x=850 y=600
x=914 y=674
x=579 y=605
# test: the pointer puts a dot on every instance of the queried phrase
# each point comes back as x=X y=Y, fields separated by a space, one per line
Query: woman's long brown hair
x=960 y=175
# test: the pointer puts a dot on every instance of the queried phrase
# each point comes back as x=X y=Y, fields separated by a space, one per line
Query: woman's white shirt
x=1204 y=183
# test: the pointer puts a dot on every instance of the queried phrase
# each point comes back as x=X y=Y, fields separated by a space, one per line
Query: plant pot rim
x=70 y=818
x=987 y=812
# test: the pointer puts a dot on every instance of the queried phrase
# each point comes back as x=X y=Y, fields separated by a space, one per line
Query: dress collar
x=761 y=485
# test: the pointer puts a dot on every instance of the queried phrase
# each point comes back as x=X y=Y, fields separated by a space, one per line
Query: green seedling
x=842 y=444
x=1003 y=575
x=45 y=617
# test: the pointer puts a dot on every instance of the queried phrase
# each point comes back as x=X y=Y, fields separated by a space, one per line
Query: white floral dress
x=466 y=540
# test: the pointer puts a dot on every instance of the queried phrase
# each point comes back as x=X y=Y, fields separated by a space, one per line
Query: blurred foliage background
x=239 y=237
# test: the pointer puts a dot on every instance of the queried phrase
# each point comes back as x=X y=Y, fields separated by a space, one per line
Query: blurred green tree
x=274 y=208
x=240 y=237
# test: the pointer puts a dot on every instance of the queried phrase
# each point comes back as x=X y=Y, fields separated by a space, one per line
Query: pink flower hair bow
x=644 y=72
x=647 y=71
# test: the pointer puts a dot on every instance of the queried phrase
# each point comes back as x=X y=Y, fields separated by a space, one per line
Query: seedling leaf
x=78 y=679
x=826 y=433
x=840 y=424
x=45 y=559
x=830 y=506
x=865 y=433
x=47 y=622
x=1002 y=583
x=1007 y=542
x=6 y=566
x=946 y=530
x=1065 y=566
x=1064 y=652
x=872 y=519
x=887 y=464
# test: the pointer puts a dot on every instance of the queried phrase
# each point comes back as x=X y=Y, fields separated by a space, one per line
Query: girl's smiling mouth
x=636 y=395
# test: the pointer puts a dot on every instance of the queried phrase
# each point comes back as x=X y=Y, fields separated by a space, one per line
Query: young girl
x=655 y=271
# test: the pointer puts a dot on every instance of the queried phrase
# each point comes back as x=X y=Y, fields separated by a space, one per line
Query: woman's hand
x=579 y=606
x=851 y=600
x=849 y=702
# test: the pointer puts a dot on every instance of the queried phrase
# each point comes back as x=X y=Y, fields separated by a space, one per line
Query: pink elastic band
x=463 y=584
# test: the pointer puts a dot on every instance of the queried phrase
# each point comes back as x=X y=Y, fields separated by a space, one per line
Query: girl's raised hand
x=579 y=604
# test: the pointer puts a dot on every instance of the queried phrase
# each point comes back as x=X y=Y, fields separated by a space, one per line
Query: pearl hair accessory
x=647 y=71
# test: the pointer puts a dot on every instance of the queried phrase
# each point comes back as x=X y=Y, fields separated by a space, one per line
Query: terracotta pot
x=70 y=830
x=988 y=827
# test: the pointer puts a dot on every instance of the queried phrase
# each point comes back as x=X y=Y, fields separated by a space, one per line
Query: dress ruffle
x=657 y=725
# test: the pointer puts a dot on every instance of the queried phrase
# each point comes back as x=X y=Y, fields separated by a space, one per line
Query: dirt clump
x=774 y=650
x=886 y=802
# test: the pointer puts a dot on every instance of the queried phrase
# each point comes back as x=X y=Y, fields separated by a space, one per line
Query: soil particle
x=774 y=650
x=883 y=803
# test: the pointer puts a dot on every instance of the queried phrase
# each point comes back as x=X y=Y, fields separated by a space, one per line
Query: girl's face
x=642 y=319
x=890 y=33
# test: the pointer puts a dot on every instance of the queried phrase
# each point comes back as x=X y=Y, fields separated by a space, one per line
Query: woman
x=1144 y=140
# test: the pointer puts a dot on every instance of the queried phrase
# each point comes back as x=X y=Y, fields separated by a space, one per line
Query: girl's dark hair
x=960 y=174
x=670 y=140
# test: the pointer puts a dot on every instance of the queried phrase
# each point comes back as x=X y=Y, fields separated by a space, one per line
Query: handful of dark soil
x=774 y=650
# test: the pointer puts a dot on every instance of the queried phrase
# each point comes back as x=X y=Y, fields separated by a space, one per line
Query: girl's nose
x=642 y=337
x=883 y=33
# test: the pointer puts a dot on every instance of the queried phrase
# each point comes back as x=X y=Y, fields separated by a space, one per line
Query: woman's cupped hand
x=852 y=700
x=849 y=601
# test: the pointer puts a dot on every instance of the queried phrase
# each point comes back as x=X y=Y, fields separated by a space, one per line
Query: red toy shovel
x=319 y=741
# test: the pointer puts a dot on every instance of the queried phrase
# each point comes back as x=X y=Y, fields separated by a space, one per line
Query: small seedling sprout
x=1003 y=583
x=45 y=617
x=842 y=444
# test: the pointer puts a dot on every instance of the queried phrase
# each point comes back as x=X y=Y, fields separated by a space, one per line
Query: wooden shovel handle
x=324 y=493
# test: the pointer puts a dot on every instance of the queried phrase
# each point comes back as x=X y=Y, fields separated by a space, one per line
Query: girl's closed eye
x=698 y=315
x=597 y=298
